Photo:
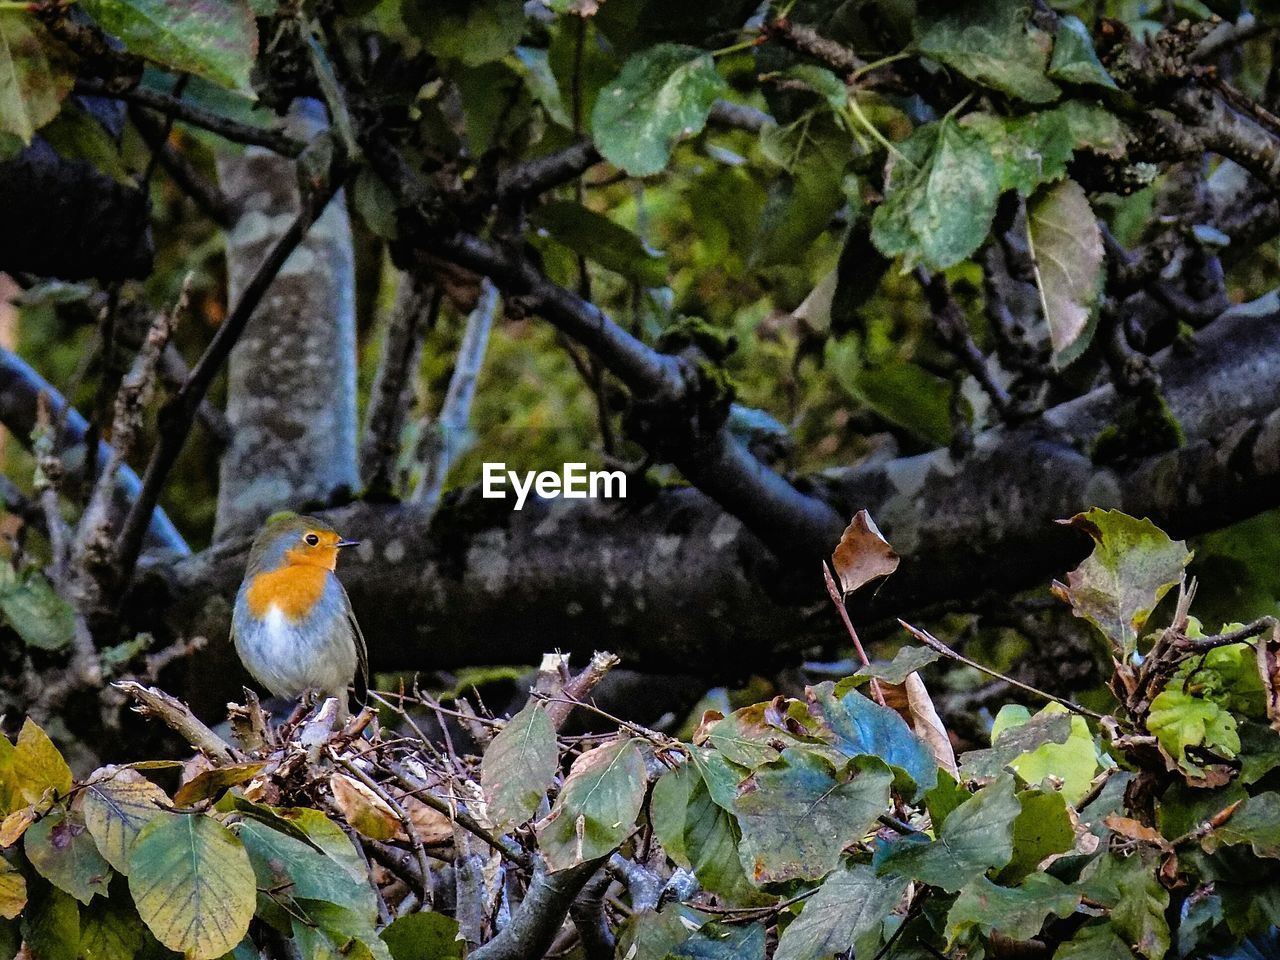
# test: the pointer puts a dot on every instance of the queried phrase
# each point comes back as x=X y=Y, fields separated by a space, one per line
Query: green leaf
x=193 y=884
x=653 y=934
x=1096 y=128
x=1043 y=828
x=991 y=43
x=423 y=936
x=1133 y=565
x=858 y=726
x=37 y=764
x=470 y=31
x=597 y=806
x=1028 y=150
x=76 y=135
x=1074 y=58
x=850 y=904
x=1017 y=912
x=899 y=390
x=519 y=765
x=328 y=836
x=798 y=813
x=669 y=809
x=51 y=925
x=1074 y=761
x=662 y=94
x=1012 y=740
x=36 y=74
x=214 y=39
x=711 y=838
x=940 y=197
x=297 y=870
x=116 y=808
x=42 y=618
x=112 y=930
x=746 y=738
x=13 y=890
x=542 y=83
x=721 y=941
x=1180 y=720
x=1095 y=941
x=1066 y=253
x=977 y=836
x=375 y=203
x=63 y=852
x=1130 y=887
x=598 y=238
x=906 y=661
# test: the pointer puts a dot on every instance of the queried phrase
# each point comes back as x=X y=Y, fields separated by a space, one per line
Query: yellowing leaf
x=13 y=890
x=117 y=804
x=37 y=764
x=193 y=885
x=35 y=74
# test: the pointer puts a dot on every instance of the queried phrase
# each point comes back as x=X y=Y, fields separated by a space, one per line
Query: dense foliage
x=974 y=267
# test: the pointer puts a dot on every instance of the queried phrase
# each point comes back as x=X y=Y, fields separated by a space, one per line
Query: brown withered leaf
x=863 y=554
x=1133 y=830
x=208 y=784
x=363 y=809
x=431 y=826
x=927 y=725
x=15 y=825
x=709 y=719
x=1268 y=650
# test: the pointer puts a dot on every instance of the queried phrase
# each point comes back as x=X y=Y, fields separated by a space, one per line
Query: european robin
x=293 y=626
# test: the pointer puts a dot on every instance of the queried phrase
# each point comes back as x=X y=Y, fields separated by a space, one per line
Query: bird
x=292 y=625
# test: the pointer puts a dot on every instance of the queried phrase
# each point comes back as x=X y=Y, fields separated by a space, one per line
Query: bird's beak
x=347 y=543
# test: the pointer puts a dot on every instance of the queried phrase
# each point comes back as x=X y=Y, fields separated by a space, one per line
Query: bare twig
x=197 y=116
x=837 y=598
x=189 y=180
x=417 y=306
x=153 y=702
x=929 y=640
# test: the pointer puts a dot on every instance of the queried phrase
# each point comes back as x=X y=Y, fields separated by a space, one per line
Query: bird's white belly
x=288 y=660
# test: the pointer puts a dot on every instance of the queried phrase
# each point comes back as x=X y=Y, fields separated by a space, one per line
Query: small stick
x=929 y=640
x=834 y=592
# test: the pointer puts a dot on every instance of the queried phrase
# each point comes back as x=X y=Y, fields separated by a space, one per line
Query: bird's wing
x=362 y=651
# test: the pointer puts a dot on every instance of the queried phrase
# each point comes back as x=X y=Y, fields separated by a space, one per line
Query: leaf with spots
x=662 y=94
x=193 y=884
x=35 y=75
x=799 y=812
x=1133 y=565
x=214 y=39
x=63 y=852
x=848 y=906
x=597 y=806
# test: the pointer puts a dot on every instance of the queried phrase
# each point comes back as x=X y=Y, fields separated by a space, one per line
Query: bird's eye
x=311 y=540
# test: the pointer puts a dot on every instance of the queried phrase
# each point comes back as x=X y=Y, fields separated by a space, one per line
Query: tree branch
x=20 y=389
x=178 y=415
x=233 y=130
x=535 y=922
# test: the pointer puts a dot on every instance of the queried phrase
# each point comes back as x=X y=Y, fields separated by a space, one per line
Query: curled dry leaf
x=1268 y=650
x=363 y=809
x=927 y=725
x=863 y=554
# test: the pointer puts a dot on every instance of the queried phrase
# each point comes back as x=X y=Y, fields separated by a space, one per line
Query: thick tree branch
x=672 y=579
x=535 y=922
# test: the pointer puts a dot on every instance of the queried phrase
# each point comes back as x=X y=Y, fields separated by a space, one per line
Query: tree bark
x=671 y=582
x=291 y=393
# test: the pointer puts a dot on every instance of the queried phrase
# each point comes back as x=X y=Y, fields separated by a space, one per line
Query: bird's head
x=288 y=539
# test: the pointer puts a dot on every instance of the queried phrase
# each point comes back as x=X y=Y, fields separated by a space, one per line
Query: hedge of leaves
x=799 y=828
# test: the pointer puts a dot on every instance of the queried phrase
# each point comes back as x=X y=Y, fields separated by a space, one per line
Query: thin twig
x=1247 y=632
x=233 y=130
x=930 y=640
x=838 y=599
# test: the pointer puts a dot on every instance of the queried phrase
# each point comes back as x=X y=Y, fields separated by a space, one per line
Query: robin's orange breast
x=295 y=589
